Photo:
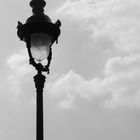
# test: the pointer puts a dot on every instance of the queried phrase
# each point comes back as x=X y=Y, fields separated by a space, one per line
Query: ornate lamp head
x=39 y=33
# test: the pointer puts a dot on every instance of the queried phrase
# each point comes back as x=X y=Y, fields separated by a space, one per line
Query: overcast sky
x=93 y=90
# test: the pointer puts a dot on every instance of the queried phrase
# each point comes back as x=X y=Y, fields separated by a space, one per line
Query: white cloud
x=18 y=63
x=66 y=104
x=19 y=68
x=119 y=87
x=120 y=21
x=116 y=18
x=82 y=9
x=122 y=80
x=71 y=85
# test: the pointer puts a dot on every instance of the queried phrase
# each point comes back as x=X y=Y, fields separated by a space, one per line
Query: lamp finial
x=38 y=6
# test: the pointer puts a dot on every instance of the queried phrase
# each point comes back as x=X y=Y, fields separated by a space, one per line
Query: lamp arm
x=31 y=59
x=49 y=60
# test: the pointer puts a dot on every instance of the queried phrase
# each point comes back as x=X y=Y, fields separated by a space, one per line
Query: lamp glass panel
x=40 y=46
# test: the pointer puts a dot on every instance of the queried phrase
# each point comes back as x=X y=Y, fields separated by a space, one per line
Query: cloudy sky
x=93 y=90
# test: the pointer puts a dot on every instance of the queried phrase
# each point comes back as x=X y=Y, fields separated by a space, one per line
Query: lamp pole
x=39 y=84
x=39 y=34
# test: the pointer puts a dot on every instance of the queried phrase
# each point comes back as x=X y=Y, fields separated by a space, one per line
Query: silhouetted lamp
x=39 y=34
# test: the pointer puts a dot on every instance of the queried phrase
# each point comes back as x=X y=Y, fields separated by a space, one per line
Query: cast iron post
x=39 y=84
x=39 y=23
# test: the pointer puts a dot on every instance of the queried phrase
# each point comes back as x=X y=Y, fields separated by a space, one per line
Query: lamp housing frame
x=39 y=23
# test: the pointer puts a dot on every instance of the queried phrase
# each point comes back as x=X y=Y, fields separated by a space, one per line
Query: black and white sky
x=93 y=90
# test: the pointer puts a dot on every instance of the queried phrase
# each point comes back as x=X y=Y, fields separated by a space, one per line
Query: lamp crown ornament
x=38 y=6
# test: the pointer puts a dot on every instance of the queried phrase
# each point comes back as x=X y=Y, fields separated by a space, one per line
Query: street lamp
x=39 y=34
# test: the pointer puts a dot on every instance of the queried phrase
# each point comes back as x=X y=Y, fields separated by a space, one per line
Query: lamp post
x=39 y=34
